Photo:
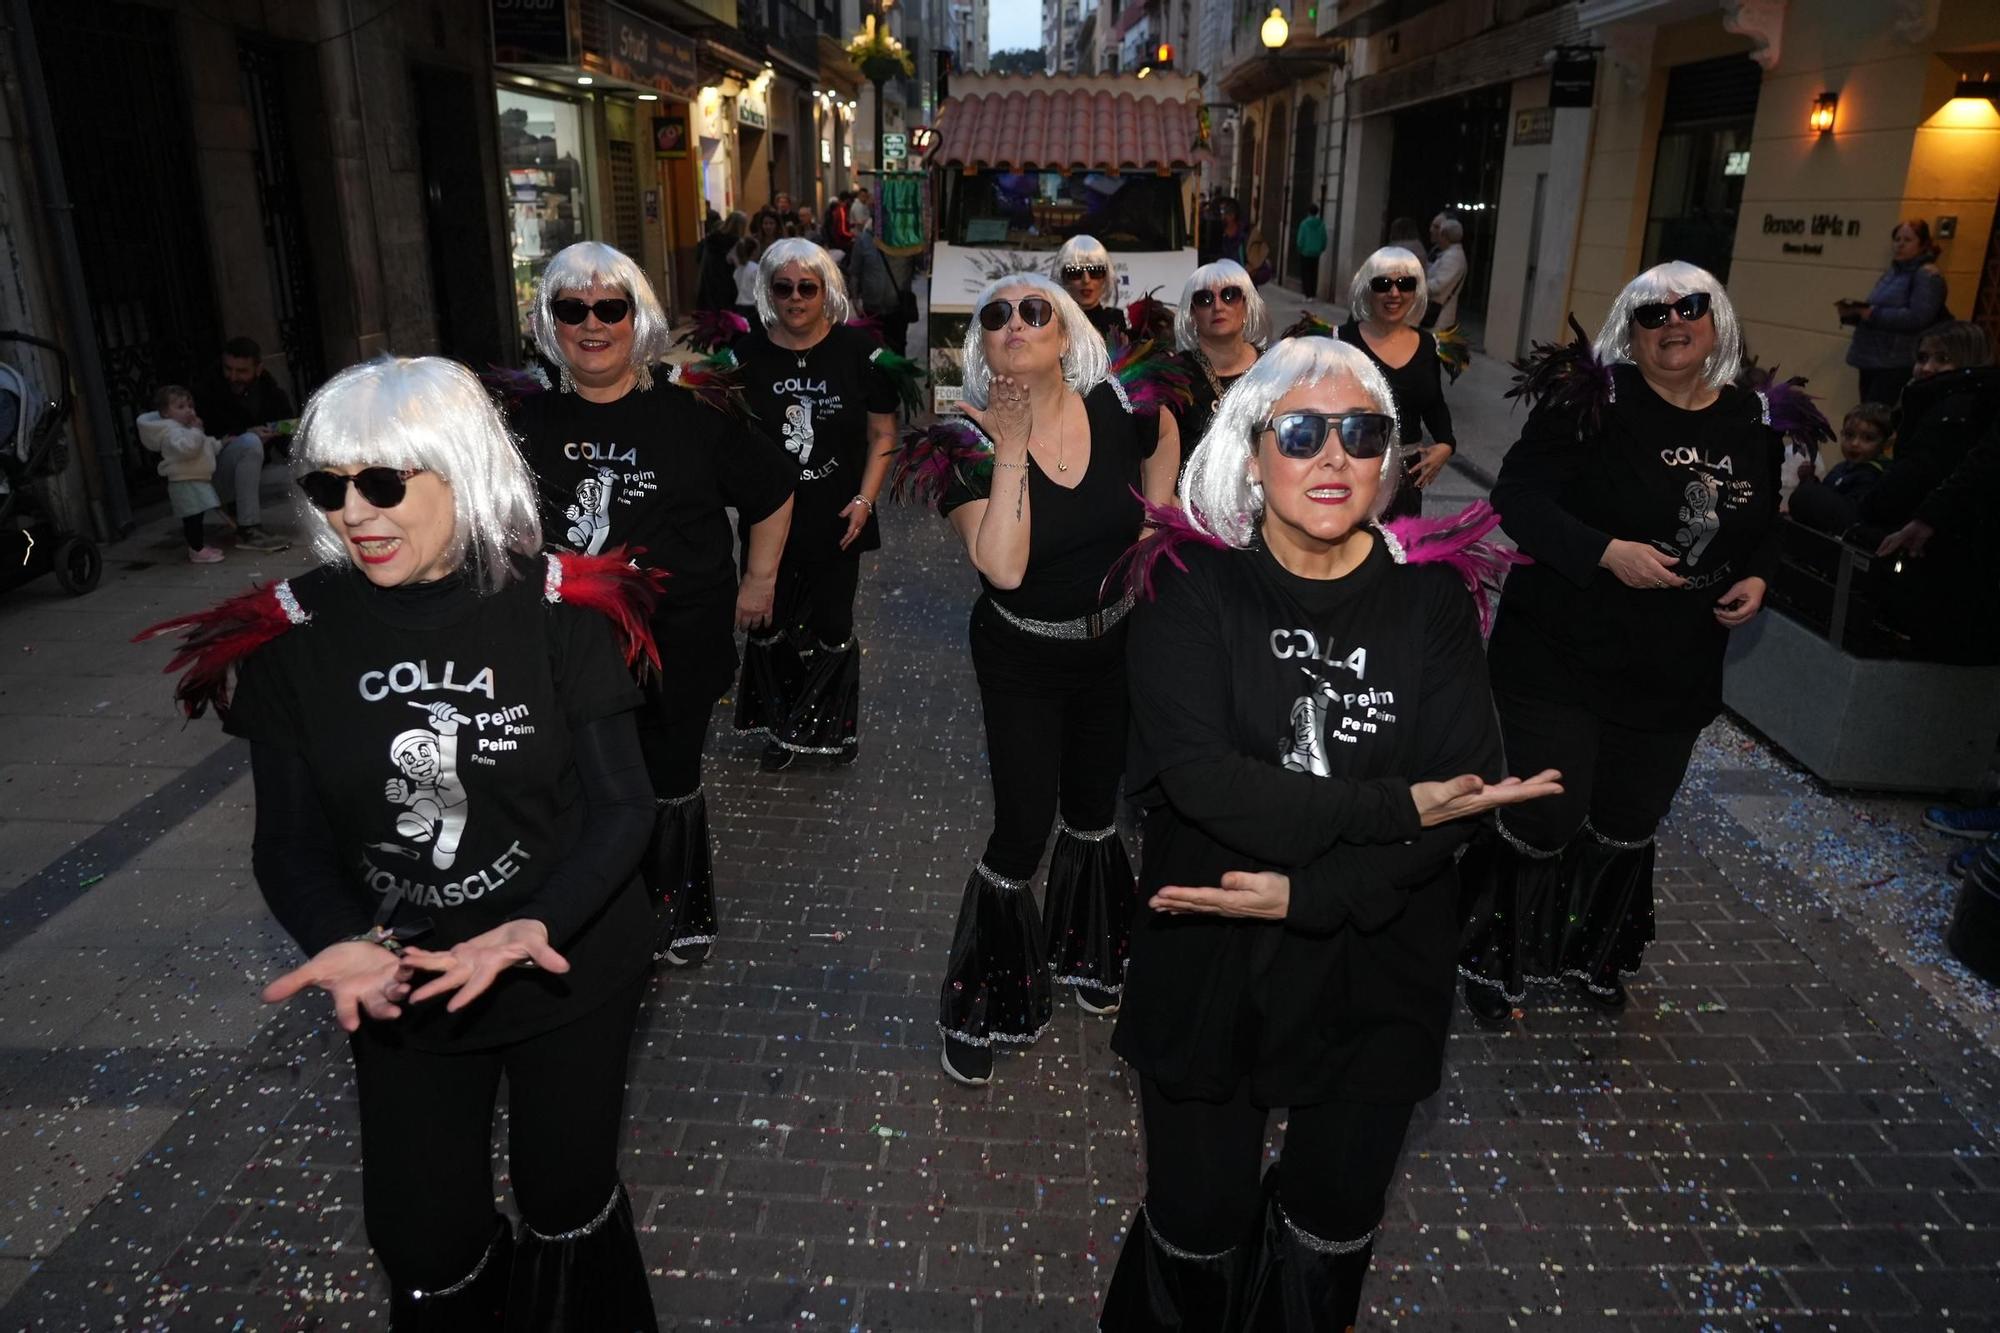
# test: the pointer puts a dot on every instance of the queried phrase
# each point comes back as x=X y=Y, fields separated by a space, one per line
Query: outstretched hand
x=362 y=978
x=1264 y=895
x=1470 y=795
x=472 y=966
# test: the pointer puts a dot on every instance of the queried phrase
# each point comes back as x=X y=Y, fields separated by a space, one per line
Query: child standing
x=187 y=461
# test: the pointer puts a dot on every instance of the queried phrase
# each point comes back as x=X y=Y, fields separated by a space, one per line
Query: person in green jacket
x=1311 y=243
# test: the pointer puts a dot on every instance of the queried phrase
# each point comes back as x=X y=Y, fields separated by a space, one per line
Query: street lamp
x=881 y=58
x=1275 y=32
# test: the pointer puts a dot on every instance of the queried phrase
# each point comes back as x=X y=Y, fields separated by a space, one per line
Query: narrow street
x=1785 y=1132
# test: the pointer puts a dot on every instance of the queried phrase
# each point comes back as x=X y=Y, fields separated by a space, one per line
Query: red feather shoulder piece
x=615 y=587
x=1146 y=379
x=1458 y=540
x=717 y=381
x=1173 y=531
x=215 y=640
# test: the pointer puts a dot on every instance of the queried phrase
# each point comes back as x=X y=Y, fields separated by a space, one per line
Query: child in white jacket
x=187 y=461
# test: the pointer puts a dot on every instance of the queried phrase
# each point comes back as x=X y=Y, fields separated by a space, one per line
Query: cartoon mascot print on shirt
x=429 y=785
x=590 y=517
x=798 y=430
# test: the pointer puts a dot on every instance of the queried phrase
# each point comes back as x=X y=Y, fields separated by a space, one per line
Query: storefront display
x=543 y=156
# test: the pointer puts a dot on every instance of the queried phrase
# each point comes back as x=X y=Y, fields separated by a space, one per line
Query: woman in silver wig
x=1386 y=299
x=818 y=383
x=1645 y=487
x=1311 y=731
x=451 y=810
x=1220 y=327
x=1046 y=499
x=629 y=453
x=1084 y=266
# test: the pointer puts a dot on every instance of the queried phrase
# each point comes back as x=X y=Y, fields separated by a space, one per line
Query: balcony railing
x=781 y=27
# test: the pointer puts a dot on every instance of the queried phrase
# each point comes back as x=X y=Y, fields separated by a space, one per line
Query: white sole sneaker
x=1089 y=1008
x=944 y=1059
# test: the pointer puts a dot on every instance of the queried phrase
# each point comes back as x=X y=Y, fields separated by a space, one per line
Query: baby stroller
x=31 y=452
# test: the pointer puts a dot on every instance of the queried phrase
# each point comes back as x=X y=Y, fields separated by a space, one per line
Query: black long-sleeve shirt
x=1417 y=386
x=1701 y=486
x=1278 y=723
x=446 y=762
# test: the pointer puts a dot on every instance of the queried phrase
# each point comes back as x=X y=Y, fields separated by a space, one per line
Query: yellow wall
x=1897 y=150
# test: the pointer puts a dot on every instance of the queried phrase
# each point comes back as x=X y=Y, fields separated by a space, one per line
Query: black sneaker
x=966 y=1063
x=1960 y=864
x=685 y=955
x=1610 y=998
x=776 y=758
x=252 y=537
x=1488 y=1004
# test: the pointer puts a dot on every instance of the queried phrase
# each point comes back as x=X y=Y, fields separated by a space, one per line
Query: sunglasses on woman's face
x=806 y=288
x=1205 y=298
x=611 y=310
x=1653 y=315
x=1035 y=312
x=1303 y=435
x=383 y=487
x=1381 y=284
x=1072 y=272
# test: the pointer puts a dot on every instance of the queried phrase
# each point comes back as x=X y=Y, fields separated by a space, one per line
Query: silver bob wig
x=1450 y=229
x=595 y=264
x=1081 y=250
x=1212 y=278
x=816 y=261
x=1217 y=489
x=1391 y=261
x=1084 y=363
x=431 y=413
x=1668 y=282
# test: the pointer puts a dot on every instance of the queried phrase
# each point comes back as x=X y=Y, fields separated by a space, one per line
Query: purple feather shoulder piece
x=1458 y=540
x=713 y=330
x=1788 y=409
x=1172 y=533
x=1565 y=376
x=931 y=458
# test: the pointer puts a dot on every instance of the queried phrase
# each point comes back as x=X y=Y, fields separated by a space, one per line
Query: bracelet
x=998 y=463
x=862 y=500
x=380 y=935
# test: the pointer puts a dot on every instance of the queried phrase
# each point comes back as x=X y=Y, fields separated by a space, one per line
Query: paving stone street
x=1791 y=1129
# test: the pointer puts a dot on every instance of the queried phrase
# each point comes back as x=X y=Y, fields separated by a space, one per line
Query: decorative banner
x=900 y=208
x=670 y=135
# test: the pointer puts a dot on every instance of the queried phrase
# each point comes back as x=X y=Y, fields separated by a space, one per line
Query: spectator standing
x=1444 y=276
x=716 y=289
x=1906 y=300
x=1311 y=242
x=244 y=408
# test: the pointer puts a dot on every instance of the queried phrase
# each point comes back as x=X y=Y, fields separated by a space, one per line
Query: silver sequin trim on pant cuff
x=1175 y=1251
x=1573 y=974
x=1085 y=835
x=1610 y=841
x=1531 y=852
x=1318 y=1246
x=995 y=878
x=1113 y=989
x=603 y=1216
x=995 y=1038
x=464 y=1282
x=694 y=795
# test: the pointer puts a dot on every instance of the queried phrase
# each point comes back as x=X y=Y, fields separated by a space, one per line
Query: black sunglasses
x=1071 y=272
x=1035 y=312
x=383 y=487
x=1653 y=314
x=1204 y=298
x=1302 y=435
x=1382 y=283
x=782 y=288
x=611 y=310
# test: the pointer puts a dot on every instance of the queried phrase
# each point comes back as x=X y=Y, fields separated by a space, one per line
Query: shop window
x=1703 y=161
x=542 y=152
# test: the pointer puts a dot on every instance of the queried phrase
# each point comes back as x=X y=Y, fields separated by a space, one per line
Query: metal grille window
x=625 y=198
x=1703 y=160
x=282 y=211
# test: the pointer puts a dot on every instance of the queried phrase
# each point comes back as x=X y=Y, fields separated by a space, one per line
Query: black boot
x=1305 y=1283
x=680 y=872
x=1515 y=901
x=769 y=681
x=590 y=1280
x=996 y=981
x=1158 y=1287
x=1087 y=914
x=476 y=1303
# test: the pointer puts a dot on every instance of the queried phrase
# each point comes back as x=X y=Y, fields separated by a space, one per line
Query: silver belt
x=1093 y=626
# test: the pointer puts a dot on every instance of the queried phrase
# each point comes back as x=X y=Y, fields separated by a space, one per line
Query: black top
x=817 y=402
x=437 y=726
x=1417 y=386
x=1075 y=534
x=1855 y=478
x=1939 y=419
x=1207 y=388
x=1109 y=321
x=655 y=470
x=226 y=413
x=1277 y=723
x=1702 y=486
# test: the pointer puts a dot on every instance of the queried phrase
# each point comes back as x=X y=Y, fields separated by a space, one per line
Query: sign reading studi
x=642 y=51
x=1536 y=125
x=1825 y=226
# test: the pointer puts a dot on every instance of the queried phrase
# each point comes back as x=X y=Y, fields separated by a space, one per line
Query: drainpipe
x=112 y=508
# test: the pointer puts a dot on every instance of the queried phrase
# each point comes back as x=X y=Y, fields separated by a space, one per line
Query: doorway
x=1447 y=158
x=1703 y=161
x=1305 y=188
x=465 y=288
